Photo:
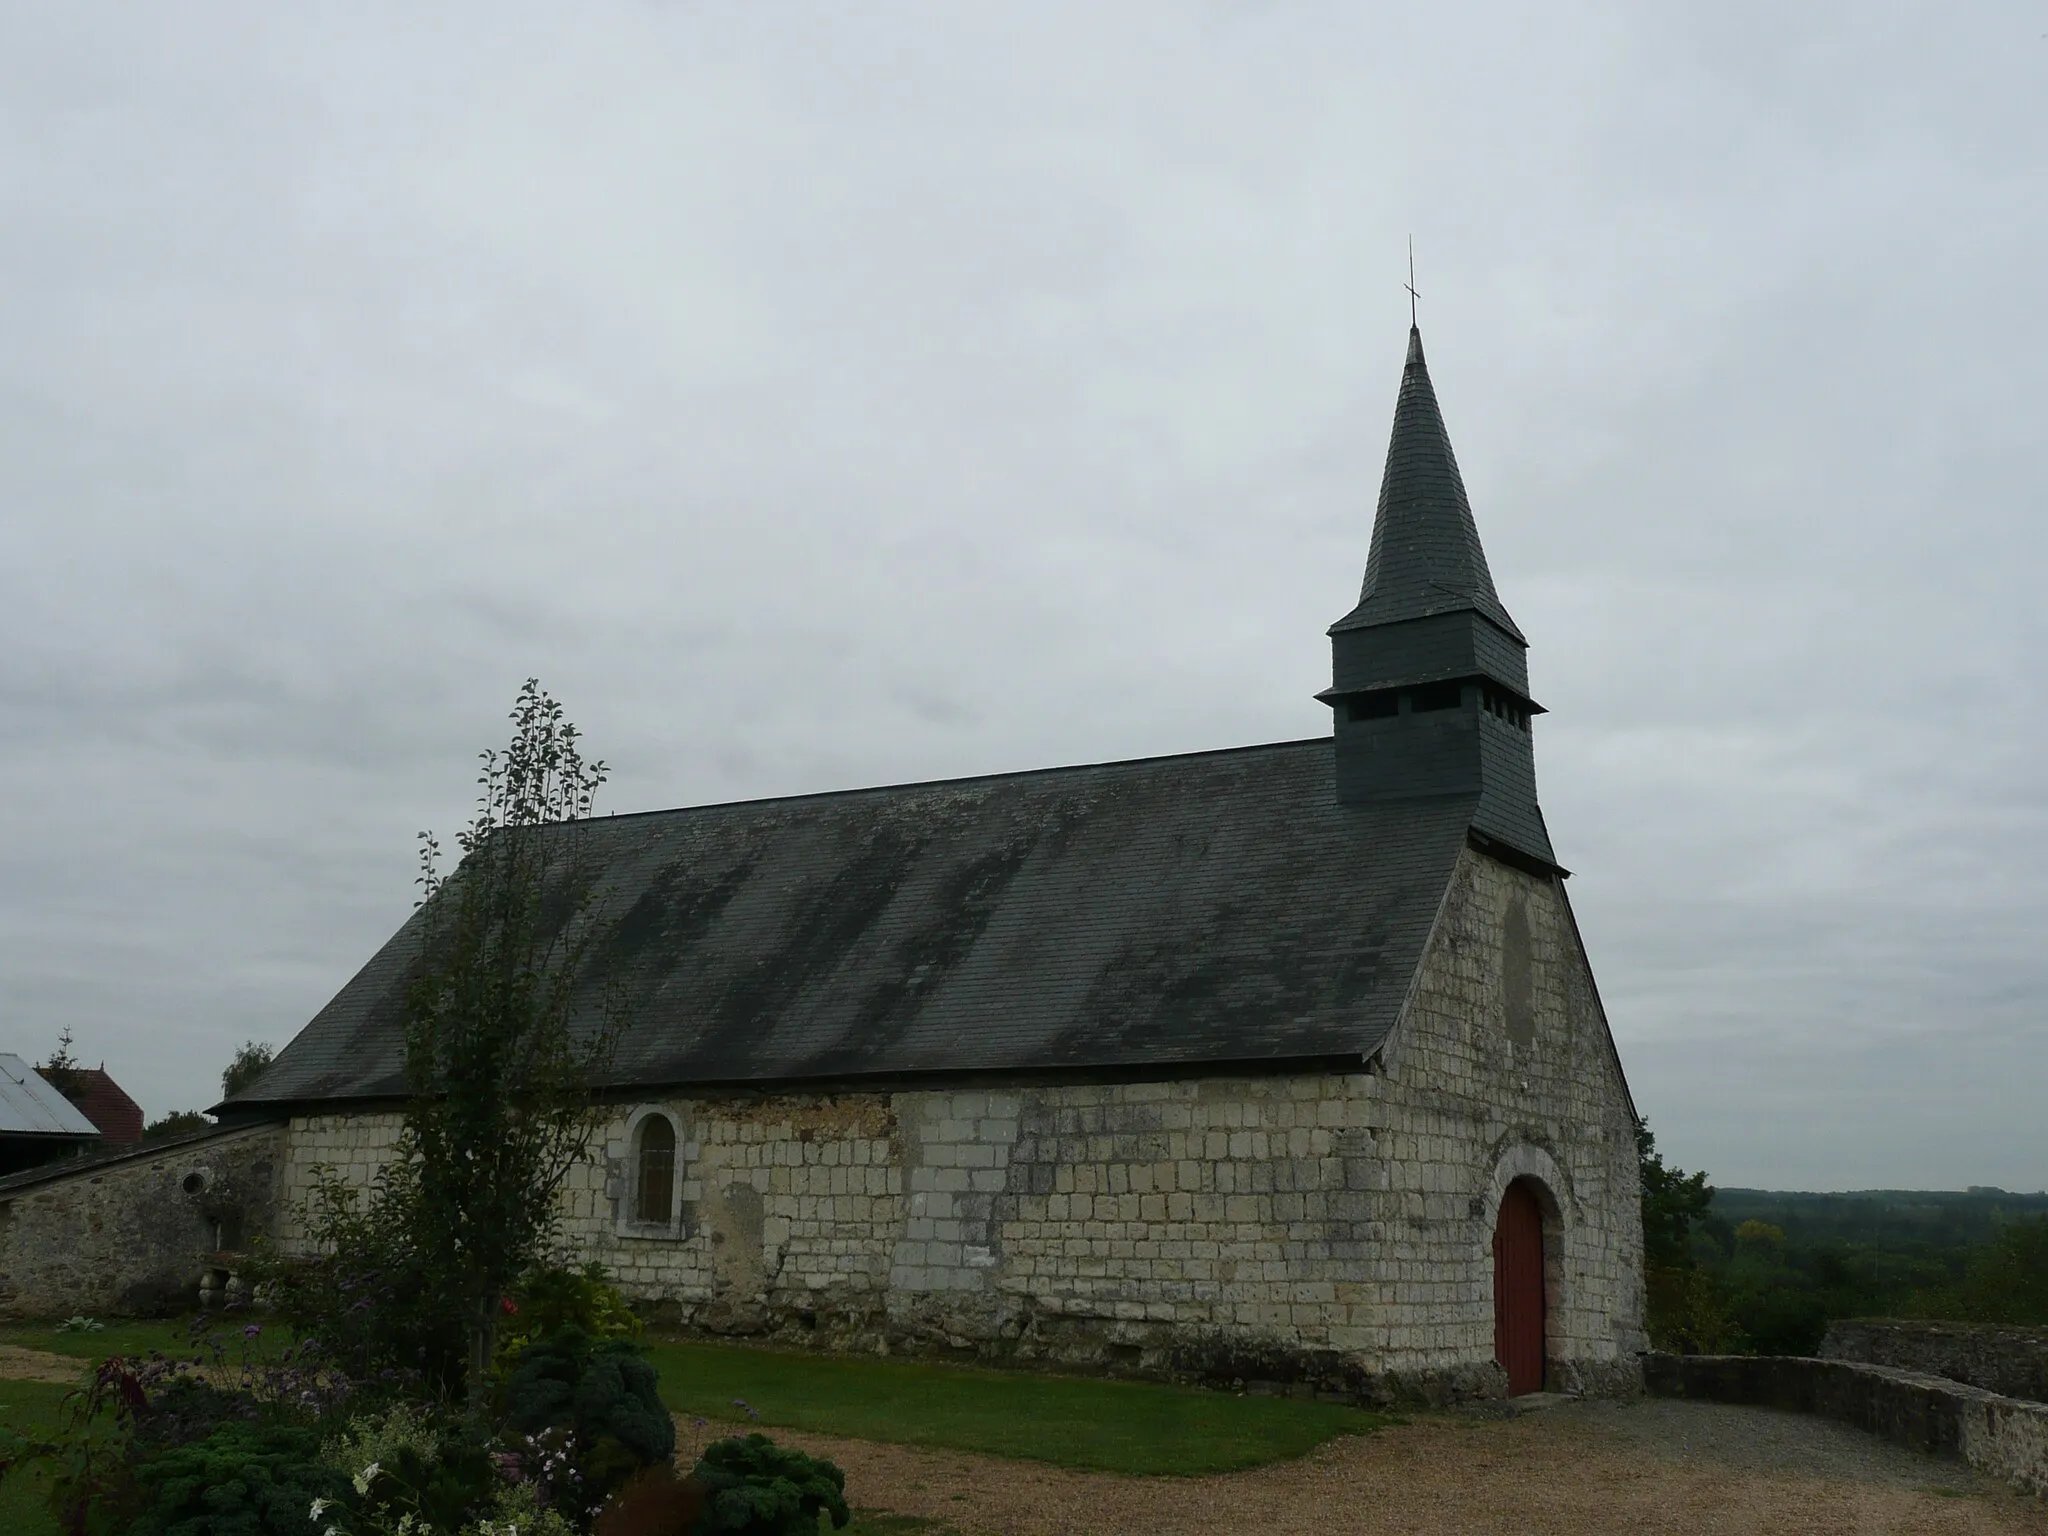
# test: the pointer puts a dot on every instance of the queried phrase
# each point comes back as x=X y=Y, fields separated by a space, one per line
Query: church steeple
x=1431 y=686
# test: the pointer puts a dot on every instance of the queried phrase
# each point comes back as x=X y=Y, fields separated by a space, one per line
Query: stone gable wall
x=1503 y=1068
x=1331 y=1231
x=134 y=1236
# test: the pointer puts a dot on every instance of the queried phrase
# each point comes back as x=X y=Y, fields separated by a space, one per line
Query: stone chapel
x=1273 y=1064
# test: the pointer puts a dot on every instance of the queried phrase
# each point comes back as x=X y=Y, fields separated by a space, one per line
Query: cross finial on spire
x=1410 y=284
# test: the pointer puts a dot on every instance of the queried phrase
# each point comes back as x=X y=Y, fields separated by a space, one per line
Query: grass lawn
x=28 y=1408
x=138 y=1339
x=116 y=1338
x=1110 y=1426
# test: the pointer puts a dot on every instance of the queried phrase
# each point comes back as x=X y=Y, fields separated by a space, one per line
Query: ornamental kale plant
x=604 y=1392
x=754 y=1487
x=244 y=1479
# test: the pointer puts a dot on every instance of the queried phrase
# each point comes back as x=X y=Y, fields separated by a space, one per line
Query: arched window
x=654 y=1169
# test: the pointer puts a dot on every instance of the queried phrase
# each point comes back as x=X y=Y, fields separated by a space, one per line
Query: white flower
x=362 y=1478
x=319 y=1508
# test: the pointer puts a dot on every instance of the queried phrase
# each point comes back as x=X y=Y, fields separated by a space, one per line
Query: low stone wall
x=133 y=1234
x=2012 y=1362
x=2003 y=1436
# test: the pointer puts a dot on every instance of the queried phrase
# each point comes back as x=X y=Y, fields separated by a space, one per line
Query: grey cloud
x=861 y=396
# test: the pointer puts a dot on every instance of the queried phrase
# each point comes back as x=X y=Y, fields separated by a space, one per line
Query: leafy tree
x=1687 y=1310
x=1672 y=1201
x=2004 y=1282
x=498 y=1063
x=2008 y=1278
x=250 y=1062
x=179 y=1122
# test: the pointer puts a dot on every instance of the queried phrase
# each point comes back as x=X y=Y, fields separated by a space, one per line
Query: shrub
x=367 y=1301
x=604 y=1392
x=76 y=1324
x=243 y=1479
x=1688 y=1314
x=516 y=1510
x=551 y=1298
x=441 y=1486
x=754 y=1487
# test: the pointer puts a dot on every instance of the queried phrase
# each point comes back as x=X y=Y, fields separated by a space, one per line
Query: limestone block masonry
x=1331 y=1231
x=132 y=1235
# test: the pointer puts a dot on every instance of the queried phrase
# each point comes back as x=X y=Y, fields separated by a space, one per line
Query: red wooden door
x=1518 y=1289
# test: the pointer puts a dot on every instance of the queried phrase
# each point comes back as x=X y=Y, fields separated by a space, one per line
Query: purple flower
x=252 y=1330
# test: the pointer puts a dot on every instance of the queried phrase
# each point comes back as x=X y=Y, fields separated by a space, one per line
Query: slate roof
x=31 y=1106
x=1425 y=557
x=1166 y=913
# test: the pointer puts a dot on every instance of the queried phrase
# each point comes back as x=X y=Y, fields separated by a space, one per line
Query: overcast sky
x=818 y=395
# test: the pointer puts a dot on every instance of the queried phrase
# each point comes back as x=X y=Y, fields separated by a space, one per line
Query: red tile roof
x=100 y=1099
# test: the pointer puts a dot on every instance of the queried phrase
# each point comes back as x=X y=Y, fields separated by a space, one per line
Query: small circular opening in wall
x=195 y=1182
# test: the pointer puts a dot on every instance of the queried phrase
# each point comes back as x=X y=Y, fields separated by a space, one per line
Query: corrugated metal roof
x=29 y=1106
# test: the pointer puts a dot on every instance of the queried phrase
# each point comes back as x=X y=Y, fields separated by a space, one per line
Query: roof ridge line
x=970 y=778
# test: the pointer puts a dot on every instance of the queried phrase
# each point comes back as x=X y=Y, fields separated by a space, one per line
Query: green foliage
x=1912 y=1227
x=2005 y=1282
x=516 y=1510
x=755 y=1487
x=1777 y=1268
x=77 y=1323
x=408 y=1473
x=1689 y=1314
x=550 y=1298
x=244 y=1479
x=368 y=1300
x=605 y=1391
x=86 y=1461
x=61 y=1070
x=497 y=1060
x=251 y=1060
x=1672 y=1201
x=1759 y=1237
x=179 y=1122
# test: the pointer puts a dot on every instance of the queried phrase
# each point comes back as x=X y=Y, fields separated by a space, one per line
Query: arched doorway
x=1518 y=1288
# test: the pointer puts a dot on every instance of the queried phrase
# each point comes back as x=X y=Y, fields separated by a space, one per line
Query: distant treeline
x=1771 y=1269
x=1893 y=1220
x=1765 y=1271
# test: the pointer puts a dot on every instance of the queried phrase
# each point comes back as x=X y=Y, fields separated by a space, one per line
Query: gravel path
x=1641 y=1467
x=19 y=1364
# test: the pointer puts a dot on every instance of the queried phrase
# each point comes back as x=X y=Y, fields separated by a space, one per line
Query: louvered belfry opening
x=1518 y=1320
x=655 y=1182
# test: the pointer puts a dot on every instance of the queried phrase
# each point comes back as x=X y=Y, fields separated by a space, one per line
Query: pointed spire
x=1425 y=556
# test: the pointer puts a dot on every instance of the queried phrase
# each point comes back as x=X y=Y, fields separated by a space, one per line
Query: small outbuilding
x=37 y=1123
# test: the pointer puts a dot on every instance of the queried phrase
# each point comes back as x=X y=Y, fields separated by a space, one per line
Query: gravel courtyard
x=1638 y=1467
